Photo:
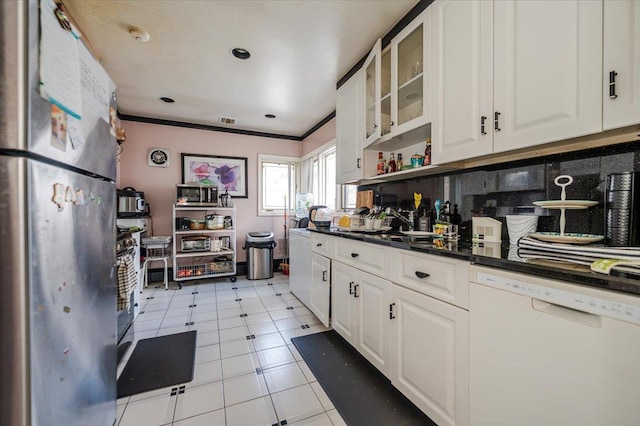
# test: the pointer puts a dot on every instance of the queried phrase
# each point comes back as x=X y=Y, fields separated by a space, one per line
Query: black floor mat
x=159 y=362
x=360 y=393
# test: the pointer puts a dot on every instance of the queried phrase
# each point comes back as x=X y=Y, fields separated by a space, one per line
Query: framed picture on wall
x=227 y=173
x=226 y=242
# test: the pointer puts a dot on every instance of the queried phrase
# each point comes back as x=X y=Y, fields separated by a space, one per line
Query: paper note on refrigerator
x=59 y=62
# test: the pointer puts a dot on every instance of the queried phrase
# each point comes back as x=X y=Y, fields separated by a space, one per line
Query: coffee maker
x=622 y=210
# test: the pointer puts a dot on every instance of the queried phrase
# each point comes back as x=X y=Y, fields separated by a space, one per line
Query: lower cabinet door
x=343 y=280
x=371 y=294
x=320 y=287
x=429 y=355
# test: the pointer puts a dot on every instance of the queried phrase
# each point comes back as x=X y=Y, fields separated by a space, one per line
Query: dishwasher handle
x=584 y=318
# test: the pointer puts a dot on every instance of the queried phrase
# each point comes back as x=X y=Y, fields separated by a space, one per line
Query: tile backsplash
x=511 y=188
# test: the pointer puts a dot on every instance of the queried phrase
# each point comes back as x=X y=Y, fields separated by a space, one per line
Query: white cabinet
x=547 y=71
x=359 y=307
x=300 y=263
x=320 y=287
x=372 y=95
x=410 y=76
x=322 y=249
x=342 y=301
x=429 y=355
x=192 y=259
x=372 y=294
x=349 y=129
x=366 y=256
x=462 y=73
x=621 y=69
x=397 y=92
x=437 y=276
x=514 y=74
x=398 y=82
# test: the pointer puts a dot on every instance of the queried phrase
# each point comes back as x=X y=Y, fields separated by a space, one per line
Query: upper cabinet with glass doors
x=398 y=84
x=372 y=95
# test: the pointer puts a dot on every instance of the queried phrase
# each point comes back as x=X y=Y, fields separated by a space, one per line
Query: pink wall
x=158 y=183
x=318 y=138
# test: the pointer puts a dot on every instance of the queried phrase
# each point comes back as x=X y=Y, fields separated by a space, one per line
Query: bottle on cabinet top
x=392 y=164
x=381 y=164
x=427 y=154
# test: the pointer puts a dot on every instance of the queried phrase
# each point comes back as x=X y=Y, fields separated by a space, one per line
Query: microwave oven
x=196 y=195
x=195 y=243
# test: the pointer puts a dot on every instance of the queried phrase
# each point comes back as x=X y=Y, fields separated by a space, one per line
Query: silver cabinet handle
x=354 y=255
x=391 y=316
x=351 y=287
x=355 y=290
x=324 y=275
x=318 y=244
x=496 y=121
x=482 y=120
x=422 y=274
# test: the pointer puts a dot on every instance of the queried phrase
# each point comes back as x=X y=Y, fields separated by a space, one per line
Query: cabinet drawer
x=322 y=244
x=365 y=256
x=437 y=276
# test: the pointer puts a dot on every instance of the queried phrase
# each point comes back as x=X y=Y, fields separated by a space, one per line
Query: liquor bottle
x=392 y=164
x=399 y=162
x=381 y=165
x=427 y=154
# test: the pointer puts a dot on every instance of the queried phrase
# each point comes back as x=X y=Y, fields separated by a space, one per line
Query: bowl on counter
x=196 y=224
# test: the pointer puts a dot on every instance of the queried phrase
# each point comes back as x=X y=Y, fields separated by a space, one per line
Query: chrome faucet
x=407 y=221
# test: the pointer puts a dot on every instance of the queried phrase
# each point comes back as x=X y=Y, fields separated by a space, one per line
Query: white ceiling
x=299 y=50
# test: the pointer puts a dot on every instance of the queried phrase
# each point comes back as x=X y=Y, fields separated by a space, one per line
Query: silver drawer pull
x=354 y=255
x=422 y=274
x=318 y=244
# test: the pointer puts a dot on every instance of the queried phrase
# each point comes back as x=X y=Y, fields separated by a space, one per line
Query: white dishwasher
x=544 y=352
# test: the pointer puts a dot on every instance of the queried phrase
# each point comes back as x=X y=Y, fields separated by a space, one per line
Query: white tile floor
x=237 y=381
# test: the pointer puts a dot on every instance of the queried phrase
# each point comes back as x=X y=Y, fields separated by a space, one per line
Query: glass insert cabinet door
x=372 y=94
x=385 y=95
x=410 y=94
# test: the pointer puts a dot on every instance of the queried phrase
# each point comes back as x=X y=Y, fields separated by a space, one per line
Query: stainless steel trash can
x=259 y=247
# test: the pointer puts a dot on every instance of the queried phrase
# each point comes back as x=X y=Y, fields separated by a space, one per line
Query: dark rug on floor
x=360 y=393
x=159 y=362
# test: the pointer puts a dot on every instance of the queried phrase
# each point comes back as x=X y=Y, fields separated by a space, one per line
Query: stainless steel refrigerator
x=57 y=250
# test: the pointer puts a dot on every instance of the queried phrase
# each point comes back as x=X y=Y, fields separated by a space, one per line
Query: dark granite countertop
x=501 y=256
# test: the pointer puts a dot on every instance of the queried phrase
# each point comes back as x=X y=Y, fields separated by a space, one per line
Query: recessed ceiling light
x=240 y=53
x=270 y=116
x=167 y=100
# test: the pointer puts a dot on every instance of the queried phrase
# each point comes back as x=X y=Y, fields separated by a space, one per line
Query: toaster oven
x=195 y=243
x=196 y=195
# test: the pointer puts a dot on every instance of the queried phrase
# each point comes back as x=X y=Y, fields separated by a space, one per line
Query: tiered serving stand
x=563 y=204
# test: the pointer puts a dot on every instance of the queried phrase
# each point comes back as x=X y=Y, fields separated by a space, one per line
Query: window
x=278 y=180
x=319 y=178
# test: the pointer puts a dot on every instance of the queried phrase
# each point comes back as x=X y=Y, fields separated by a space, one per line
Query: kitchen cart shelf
x=197 y=264
x=204 y=253
x=203 y=231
